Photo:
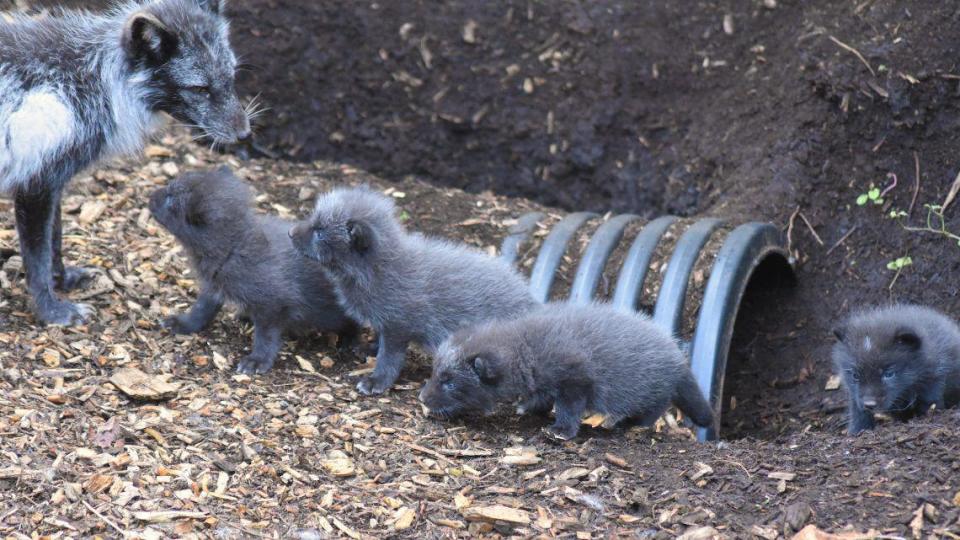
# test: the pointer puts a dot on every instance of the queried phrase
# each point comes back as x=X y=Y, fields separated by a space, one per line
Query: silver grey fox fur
x=246 y=259
x=76 y=87
x=898 y=359
x=573 y=358
x=408 y=287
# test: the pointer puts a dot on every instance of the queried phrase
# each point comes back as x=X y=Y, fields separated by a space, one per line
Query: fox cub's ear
x=145 y=37
x=361 y=236
x=486 y=370
x=907 y=338
x=213 y=6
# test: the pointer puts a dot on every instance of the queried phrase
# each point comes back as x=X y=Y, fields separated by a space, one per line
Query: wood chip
x=616 y=460
x=339 y=467
x=811 y=532
x=346 y=530
x=90 y=211
x=521 y=456
x=166 y=516
x=139 y=385
x=497 y=514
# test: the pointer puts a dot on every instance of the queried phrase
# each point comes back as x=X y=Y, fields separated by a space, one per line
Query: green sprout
x=936 y=222
x=404 y=216
x=898 y=265
x=872 y=195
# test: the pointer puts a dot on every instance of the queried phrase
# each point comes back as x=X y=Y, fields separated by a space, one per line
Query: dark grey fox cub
x=573 y=358
x=898 y=360
x=246 y=259
x=76 y=87
x=407 y=286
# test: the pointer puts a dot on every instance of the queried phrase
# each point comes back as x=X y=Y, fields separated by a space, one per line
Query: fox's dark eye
x=447 y=385
x=889 y=374
x=853 y=375
x=318 y=234
x=202 y=91
x=168 y=201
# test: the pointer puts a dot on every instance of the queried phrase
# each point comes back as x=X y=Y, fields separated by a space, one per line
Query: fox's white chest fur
x=32 y=132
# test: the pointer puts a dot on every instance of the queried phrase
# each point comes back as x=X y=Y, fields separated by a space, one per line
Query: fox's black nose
x=244 y=135
x=869 y=403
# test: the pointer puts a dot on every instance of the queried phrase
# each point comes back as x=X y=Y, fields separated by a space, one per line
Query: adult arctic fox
x=76 y=87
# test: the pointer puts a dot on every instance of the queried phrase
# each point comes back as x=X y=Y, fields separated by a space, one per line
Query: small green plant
x=936 y=222
x=872 y=195
x=404 y=216
x=898 y=265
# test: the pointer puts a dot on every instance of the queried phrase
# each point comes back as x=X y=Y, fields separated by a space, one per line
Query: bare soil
x=649 y=108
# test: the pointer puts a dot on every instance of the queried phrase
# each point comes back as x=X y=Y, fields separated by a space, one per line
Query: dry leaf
x=404 y=518
x=222 y=363
x=461 y=501
x=916 y=524
x=833 y=383
x=594 y=420
x=51 y=357
x=305 y=364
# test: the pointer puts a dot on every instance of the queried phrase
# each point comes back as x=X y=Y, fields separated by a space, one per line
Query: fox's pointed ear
x=840 y=332
x=907 y=337
x=361 y=236
x=145 y=37
x=485 y=369
x=194 y=214
x=213 y=6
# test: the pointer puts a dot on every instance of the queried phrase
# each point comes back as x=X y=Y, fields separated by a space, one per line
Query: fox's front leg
x=202 y=312
x=267 y=341
x=65 y=278
x=391 y=355
x=34 y=209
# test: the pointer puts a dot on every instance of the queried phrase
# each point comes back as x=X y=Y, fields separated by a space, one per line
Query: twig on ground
x=105 y=519
x=842 y=239
x=894 y=280
x=812 y=230
x=856 y=53
x=952 y=194
x=790 y=230
x=892 y=185
x=916 y=188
